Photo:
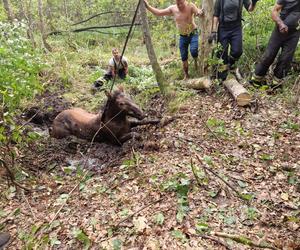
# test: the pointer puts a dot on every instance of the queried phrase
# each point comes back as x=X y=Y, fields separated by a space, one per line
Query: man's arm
x=215 y=23
x=158 y=12
x=196 y=11
x=276 y=18
x=250 y=6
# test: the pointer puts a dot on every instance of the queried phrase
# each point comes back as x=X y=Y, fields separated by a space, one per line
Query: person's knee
x=183 y=54
x=194 y=52
x=237 y=53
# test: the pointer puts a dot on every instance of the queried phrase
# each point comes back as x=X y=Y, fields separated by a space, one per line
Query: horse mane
x=113 y=96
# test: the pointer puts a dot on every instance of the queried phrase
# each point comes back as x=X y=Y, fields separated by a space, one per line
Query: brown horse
x=110 y=125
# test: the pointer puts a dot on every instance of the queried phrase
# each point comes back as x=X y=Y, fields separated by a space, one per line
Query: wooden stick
x=128 y=217
x=215 y=240
x=195 y=174
x=243 y=240
x=12 y=177
x=138 y=211
x=32 y=213
x=218 y=176
x=213 y=133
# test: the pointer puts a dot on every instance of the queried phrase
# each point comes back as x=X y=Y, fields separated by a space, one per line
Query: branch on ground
x=243 y=240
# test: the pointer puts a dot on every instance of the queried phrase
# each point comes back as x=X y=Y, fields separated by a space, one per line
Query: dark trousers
x=288 y=44
x=233 y=37
x=121 y=73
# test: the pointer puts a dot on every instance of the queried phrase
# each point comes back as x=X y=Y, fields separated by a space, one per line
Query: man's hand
x=146 y=3
x=200 y=12
x=213 y=37
x=282 y=27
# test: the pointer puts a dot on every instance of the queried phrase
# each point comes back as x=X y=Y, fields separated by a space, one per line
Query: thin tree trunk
x=66 y=9
x=206 y=25
x=28 y=17
x=151 y=53
x=9 y=13
x=42 y=26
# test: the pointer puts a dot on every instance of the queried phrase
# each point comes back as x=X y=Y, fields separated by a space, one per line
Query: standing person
x=227 y=29
x=116 y=67
x=183 y=13
x=285 y=36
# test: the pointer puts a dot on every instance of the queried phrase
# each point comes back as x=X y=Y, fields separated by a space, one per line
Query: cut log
x=239 y=93
x=202 y=83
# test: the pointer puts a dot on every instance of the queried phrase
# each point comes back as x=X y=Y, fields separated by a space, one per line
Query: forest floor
x=145 y=195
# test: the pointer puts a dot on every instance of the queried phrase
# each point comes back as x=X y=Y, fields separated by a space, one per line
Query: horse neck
x=112 y=112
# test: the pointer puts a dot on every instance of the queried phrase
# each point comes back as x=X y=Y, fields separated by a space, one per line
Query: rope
x=126 y=41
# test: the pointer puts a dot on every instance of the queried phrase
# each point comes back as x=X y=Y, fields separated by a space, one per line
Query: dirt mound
x=49 y=105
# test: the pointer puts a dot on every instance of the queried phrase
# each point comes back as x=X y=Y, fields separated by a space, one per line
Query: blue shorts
x=184 y=42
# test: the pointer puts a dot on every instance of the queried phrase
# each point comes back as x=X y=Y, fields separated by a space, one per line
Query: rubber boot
x=4 y=239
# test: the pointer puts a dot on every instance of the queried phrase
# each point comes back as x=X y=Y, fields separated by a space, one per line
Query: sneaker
x=4 y=239
x=99 y=83
x=257 y=81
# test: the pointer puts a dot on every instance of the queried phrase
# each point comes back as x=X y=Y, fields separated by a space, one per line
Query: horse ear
x=121 y=88
x=108 y=94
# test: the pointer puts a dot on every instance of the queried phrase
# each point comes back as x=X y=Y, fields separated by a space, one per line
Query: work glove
x=213 y=37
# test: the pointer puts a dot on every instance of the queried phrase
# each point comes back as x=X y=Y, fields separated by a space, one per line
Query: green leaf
x=202 y=227
x=242 y=184
x=230 y=220
x=54 y=241
x=159 y=218
x=117 y=244
x=82 y=237
x=247 y=197
x=177 y=234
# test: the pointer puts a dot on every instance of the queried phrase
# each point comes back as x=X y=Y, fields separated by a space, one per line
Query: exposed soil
x=255 y=149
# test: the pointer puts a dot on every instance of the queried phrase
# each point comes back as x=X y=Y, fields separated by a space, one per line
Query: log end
x=243 y=99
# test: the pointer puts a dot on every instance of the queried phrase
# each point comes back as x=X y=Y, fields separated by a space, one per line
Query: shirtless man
x=183 y=13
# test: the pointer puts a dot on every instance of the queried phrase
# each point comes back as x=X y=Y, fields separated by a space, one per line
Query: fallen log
x=202 y=83
x=239 y=93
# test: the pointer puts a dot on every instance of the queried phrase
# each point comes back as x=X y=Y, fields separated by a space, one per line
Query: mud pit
x=73 y=152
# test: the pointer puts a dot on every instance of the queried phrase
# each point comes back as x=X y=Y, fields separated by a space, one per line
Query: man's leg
x=286 y=56
x=269 y=56
x=121 y=73
x=108 y=75
x=236 y=46
x=183 y=46
x=223 y=54
x=194 y=49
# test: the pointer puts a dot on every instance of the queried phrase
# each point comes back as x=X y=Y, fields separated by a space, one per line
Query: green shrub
x=19 y=68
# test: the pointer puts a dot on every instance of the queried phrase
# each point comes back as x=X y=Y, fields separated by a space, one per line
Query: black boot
x=4 y=239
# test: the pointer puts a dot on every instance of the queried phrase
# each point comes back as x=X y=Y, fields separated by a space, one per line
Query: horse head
x=124 y=104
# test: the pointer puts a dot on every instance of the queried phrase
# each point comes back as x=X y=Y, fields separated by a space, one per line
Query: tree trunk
x=151 y=53
x=66 y=9
x=239 y=93
x=28 y=17
x=10 y=15
x=205 y=47
x=42 y=26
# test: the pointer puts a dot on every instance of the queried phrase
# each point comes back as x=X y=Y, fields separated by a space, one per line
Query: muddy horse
x=110 y=125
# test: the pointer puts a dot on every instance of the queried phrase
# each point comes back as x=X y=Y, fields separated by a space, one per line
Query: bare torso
x=184 y=19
